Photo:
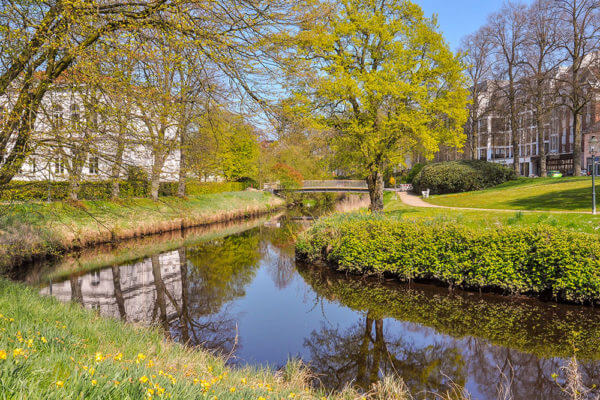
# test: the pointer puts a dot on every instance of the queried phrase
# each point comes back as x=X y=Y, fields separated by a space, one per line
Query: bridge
x=332 y=186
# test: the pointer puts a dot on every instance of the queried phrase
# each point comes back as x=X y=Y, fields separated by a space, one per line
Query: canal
x=237 y=289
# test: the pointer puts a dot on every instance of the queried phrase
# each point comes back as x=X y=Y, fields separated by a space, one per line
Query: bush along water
x=461 y=176
x=537 y=261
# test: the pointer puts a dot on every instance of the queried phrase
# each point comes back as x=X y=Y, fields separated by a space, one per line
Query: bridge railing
x=335 y=184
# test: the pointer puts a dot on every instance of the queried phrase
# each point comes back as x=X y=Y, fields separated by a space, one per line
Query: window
x=57 y=117
x=553 y=144
x=75 y=115
x=59 y=165
x=94 y=163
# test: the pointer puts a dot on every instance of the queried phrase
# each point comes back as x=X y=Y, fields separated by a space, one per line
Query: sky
x=458 y=18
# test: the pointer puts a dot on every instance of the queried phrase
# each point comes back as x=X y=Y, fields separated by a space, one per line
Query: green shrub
x=101 y=190
x=539 y=260
x=461 y=176
x=414 y=171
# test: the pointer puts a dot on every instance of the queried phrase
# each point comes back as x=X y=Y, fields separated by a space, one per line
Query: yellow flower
x=60 y=384
x=140 y=357
x=144 y=379
x=116 y=383
x=291 y=395
x=94 y=382
x=17 y=352
x=150 y=363
x=43 y=339
x=232 y=389
x=98 y=356
x=119 y=357
x=2 y=355
x=29 y=343
x=243 y=380
x=149 y=392
x=261 y=398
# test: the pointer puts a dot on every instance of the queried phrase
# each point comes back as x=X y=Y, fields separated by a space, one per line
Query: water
x=237 y=289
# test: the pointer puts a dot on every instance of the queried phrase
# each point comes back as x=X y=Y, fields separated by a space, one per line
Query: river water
x=237 y=289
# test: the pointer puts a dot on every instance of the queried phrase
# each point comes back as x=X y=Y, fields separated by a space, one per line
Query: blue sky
x=459 y=17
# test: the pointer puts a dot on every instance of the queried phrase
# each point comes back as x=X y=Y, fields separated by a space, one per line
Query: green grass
x=50 y=350
x=547 y=194
x=38 y=229
x=585 y=223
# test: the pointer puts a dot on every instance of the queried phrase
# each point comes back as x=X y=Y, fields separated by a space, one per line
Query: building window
x=94 y=164
x=75 y=115
x=59 y=165
x=57 y=117
x=553 y=144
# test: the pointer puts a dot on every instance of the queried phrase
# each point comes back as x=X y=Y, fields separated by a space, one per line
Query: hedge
x=461 y=176
x=538 y=260
x=101 y=190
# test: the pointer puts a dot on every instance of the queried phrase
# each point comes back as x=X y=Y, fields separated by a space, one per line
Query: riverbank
x=38 y=229
x=50 y=350
x=534 y=260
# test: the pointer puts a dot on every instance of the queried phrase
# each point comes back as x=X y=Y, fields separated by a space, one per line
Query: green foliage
x=101 y=190
x=404 y=92
x=540 y=260
x=461 y=176
x=414 y=171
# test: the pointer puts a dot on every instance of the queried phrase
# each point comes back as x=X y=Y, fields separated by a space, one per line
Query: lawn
x=585 y=223
x=548 y=194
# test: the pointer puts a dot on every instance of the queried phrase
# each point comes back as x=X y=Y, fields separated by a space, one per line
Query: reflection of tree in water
x=213 y=274
x=499 y=340
x=365 y=352
x=278 y=251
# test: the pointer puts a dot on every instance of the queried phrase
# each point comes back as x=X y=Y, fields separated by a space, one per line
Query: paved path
x=416 y=201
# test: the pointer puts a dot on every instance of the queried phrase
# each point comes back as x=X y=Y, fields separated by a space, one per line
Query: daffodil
x=17 y=352
x=98 y=356
x=119 y=357
x=60 y=384
x=94 y=382
x=144 y=379
x=2 y=355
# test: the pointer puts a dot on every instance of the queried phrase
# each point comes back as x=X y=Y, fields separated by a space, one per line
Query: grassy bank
x=537 y=260
x=50 y=350
x=551 y=194
x=36 y=229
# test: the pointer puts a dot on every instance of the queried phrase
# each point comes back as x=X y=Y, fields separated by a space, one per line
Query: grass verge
x=36 y=229
x=547 y=194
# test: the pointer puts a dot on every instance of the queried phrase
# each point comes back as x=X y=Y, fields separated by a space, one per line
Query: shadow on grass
x=571 y=200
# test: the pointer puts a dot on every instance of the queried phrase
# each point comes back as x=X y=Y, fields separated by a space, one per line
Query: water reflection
x=243 y=294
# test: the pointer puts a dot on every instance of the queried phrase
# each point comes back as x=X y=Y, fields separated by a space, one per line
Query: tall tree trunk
x=375 y=185
x=116 y=273
x=577 y=143
x=541 y=145
x=75 y=175
x=515 y=141
x=182 y=165
x=157 y=167
x=115 y=174
x=160 y=288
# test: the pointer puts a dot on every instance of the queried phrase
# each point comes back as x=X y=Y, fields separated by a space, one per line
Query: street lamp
x=593 y=148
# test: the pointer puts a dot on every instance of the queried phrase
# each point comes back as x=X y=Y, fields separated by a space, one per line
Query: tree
x=42 y=39
x=506 y=30
x=382 y=77
x=541 y=63
x=579 y=25
x=477 y=50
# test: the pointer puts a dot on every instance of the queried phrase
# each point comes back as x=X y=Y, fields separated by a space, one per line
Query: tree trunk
x=375 y=185
x=182 y=166
x=576 y=144
x=157 y=167
x=75 y=175
x=541 y=146
x=115 y=174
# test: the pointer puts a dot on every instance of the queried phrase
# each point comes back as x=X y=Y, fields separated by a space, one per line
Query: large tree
x=579 y=26
x=381 y=76
x=477 y=55
x=506 y=30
